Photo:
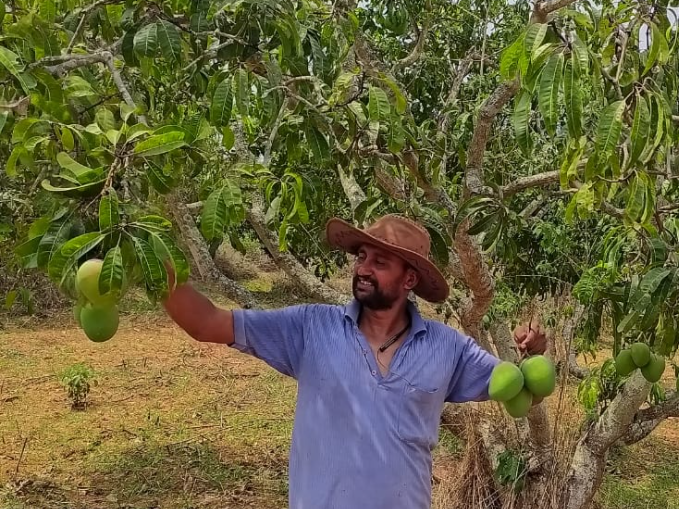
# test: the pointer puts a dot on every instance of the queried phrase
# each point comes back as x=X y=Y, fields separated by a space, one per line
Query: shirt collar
x=353 y=309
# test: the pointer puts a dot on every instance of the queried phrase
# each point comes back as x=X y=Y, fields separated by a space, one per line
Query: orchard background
x=537 y=141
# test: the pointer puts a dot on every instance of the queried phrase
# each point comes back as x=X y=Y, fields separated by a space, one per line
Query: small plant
x=76 y=380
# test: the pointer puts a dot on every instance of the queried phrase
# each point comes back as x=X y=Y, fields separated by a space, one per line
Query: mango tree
x=131 y=127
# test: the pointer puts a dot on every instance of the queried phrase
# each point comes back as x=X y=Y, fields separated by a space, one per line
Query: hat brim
x=432 y=286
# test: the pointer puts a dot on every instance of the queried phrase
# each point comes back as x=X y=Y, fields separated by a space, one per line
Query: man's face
x=381 y=278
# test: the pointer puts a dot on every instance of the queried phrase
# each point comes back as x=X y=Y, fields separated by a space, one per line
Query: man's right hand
x=196 y=314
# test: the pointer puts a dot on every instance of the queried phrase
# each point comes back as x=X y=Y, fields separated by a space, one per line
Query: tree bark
x=589 y=460
x=308 y=283
x=352 y=190
x=202 y=263
x=646 y=420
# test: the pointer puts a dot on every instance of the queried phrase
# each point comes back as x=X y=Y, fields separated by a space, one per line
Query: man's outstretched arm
x=198 y=316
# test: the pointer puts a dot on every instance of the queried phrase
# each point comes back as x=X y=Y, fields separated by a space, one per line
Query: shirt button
x=374 y=372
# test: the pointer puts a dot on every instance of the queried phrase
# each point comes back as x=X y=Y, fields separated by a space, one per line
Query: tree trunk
x=308 y=283
x=589 y=460
x=202 y=263
x=233 y=264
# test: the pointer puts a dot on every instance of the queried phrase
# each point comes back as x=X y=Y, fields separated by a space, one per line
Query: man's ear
x=412 y=278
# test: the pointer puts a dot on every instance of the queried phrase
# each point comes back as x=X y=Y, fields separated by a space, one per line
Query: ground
x=175 y=424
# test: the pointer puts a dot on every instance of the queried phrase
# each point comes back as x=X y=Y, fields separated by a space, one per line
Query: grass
x=180 y=425
x=644 y=476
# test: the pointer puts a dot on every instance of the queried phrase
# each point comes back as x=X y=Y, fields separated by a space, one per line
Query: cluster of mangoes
x=95 y=313
x=639 y=356
x=517 y=386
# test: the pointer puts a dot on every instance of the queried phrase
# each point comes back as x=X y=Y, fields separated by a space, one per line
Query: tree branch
x=477 y=148
x=84 y=12
x=418 y=49
x=120 y=85
x=543 y=9
x=538 y=180
x=646 y=420
x=71 y=61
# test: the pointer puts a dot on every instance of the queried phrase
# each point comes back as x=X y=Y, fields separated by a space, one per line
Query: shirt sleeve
x=472 y=374
x=274 y=336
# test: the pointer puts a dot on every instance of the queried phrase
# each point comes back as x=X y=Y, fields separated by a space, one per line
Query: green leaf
x=535 y=34
x=636 y=194
x=319 y=145
x=10 y=166
x=396 y=137
x=153 y=270
x=581 y=53
x=10 y=61
x=67 y=140
x=214 y=216
x=548 y=91
x=659 y=51
x=3 y=119
x=573 y=97
x=641 y=128
x=400 y=102
x=39 y=227
x=64 y=260
x=127 y=48
x=73 y=166
x=51 y=241
x=228 y=137
x=160 y=144
x=159 y=181
x=48 y=10
x=24 y=127
x=241 y=84
x=170 y=41
x=112 y=272
x=105 y=119
x=166 y=248
x=222 y=104
x=569 y=167
x=521 y=121
x=146 y=41
x=153 y=222
x=321 y=61
x=378 y=104
x=510 y=58
x=609 y=128
x=28 y=253
x=109 y=215
x=440 y=249
x=84 y=190
x=658 y=118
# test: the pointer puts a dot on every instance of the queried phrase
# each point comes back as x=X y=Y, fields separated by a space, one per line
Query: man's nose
x=363 y=269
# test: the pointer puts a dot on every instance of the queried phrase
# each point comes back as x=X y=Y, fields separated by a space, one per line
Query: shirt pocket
x=419 y=415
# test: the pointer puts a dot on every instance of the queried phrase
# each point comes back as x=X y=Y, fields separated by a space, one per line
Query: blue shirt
x=361 y=440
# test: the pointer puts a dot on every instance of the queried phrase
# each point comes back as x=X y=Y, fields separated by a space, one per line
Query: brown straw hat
x=401 y=236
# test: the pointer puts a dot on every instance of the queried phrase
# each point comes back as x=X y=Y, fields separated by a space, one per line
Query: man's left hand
x=531 y=340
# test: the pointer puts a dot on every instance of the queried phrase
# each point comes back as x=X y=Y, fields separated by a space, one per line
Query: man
x=372 y=376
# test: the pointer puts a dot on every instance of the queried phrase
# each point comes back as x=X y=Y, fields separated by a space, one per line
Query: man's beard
x=375 y=299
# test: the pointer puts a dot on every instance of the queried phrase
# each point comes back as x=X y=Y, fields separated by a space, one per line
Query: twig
x=118 y=80
x=16 y=471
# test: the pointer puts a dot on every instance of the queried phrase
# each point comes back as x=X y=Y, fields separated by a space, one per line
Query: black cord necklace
x=395 y=337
